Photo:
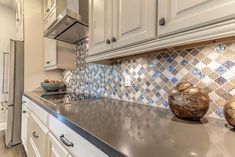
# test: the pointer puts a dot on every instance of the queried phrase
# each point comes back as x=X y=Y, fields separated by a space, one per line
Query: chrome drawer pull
x=65 y=141
x=35 y=135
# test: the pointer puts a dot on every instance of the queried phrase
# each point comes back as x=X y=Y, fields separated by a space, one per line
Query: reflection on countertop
x=144 y=131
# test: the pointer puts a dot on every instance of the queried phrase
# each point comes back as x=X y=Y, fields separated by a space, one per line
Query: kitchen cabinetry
x=178 y=22
x=73 y=142
x=37 y=136
x=181 y=15
x=115 y=24
x=55 y=149
x=24 y=123
x=59 y=55
x=49 y=5
x=48 y=137
x=19 y=20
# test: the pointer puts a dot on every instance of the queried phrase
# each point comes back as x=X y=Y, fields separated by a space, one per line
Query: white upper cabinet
x=133 y=21
x=181 y=15
x=119 y=23
x=100 y=25
x=59 y=55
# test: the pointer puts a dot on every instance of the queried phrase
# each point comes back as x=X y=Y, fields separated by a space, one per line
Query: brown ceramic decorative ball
x=229 y=111
x=188 y=102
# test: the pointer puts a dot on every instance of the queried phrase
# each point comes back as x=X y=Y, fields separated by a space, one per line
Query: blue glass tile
x=170 y=68
x=150 y=66
x=156 y=75
x=170 y=60
x=165 y=104
x=127 y=94
x=174 y=80
x=220 y=112
x=221 y=70
x=140 y=71
x=220 y=48
x=158 y=95
x=165 y=79
x=151 y=101
x=141 y=97
x=197 y=73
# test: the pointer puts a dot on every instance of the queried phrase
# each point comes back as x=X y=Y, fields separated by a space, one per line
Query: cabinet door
x=49 y=5
x=100 y=26
x=50 y=50
x=37 y=135
x=33 y=152
x=47 y=52
x=182 y=15
x=133 y=21
x=55 y=149
x=24 y=126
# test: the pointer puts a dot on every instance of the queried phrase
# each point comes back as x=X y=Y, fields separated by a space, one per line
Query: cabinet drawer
x=39 y=112
x=26 y=101
x=74 y=143
x=38 y=134
x=55 y=149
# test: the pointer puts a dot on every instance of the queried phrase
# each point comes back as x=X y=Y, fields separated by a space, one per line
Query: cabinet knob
x=17 y=19
x=162 y=21
x=24 y=111
x=113 y=39
x=48 y=62
x=108 y=41
x=35 y=135
x=48 y=10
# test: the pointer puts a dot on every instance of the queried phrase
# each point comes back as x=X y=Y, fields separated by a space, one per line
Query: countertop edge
x=106 y=148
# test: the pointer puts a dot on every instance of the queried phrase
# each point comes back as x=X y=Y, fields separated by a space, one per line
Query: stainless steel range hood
x=70 y=27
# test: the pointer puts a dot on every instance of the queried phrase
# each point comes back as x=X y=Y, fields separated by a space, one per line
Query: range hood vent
x=70 y=26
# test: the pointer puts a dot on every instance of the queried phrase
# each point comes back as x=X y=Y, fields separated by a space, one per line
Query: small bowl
x=52 y=87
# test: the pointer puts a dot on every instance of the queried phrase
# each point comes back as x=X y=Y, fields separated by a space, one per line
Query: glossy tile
x=211 y=67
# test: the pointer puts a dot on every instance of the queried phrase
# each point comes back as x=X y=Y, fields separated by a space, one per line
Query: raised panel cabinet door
x=33 y=152
x=47 y=52
x=181 y=15
x=55 y=149
x=100 y=26
x=50 y=52
x=53 y=52
x=133 y=21
x=24 y=126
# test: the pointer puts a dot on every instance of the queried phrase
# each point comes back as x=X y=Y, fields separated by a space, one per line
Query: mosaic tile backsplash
x=211 y=67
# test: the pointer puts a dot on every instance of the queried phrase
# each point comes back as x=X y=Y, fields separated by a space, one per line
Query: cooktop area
x=66 y=98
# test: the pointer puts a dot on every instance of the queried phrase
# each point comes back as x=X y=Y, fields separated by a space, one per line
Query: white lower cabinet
x=37 y=136
x=45 y=136
x=24 y=124
x=55 y=149
x=74 y=143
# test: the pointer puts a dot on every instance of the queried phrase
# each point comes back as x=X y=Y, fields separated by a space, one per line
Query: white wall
x=7 y=27
x=34 y=51
x=7 y=32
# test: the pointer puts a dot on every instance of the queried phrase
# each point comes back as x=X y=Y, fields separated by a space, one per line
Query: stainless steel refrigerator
x=15 y=80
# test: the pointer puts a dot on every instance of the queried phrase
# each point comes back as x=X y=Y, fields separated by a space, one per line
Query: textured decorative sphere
x=229 y=111
x=188 y=102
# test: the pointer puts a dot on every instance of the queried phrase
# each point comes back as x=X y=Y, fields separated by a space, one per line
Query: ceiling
x=9 y=3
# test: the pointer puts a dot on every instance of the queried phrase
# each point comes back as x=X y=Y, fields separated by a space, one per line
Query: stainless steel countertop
x=136 y=130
